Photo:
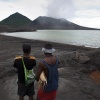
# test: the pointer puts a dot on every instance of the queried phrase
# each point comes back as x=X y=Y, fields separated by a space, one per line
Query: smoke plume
x=61 y=9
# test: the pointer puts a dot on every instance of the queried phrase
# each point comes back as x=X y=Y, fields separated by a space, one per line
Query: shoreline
x=53 y=41
x=74 y=79
x=57 y=43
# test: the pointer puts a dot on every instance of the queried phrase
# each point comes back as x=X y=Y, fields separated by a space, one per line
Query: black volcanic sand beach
x=79 y=71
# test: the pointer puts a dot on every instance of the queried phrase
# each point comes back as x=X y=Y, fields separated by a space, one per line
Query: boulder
x=81 y=58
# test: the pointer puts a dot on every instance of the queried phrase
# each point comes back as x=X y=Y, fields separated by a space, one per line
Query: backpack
x=29 y=75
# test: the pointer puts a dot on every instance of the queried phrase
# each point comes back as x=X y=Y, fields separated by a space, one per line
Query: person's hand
x=43 y=78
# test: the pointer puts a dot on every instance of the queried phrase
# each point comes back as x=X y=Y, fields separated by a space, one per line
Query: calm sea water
x=88 y=38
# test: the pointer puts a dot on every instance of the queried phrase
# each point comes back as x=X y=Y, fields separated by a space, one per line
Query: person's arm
x=34 y=62
x=39 y=70
x=16 y=60
x=59 y=61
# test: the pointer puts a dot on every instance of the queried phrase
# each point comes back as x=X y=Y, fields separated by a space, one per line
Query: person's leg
x=21 y=98
x=31 y=98
x=30 y=91
x=21 y=91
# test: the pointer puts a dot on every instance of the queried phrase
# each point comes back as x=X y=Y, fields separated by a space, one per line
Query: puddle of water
x=95 y=75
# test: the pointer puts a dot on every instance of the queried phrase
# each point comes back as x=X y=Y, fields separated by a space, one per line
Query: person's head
x=26 y=48
x=48 y=49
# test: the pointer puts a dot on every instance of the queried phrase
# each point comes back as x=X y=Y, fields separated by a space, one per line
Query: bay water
x=88 y=38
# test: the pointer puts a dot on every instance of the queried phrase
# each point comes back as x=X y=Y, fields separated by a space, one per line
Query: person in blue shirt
x=49 y=65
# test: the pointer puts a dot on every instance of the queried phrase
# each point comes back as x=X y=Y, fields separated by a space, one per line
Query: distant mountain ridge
x=15 y=20
x=44 y=22
x=18 y=22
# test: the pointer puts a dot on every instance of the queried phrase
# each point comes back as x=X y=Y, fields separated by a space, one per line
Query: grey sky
x=82 y=12
x=61 y=9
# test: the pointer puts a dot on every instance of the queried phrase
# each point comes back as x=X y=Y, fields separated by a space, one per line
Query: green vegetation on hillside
x=15 y=20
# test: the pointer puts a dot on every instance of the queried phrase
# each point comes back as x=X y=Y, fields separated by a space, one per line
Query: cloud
x=4 y=0
x=87 y=4
x=88 y=22
x=29 y=8
x=76 y=11
x=61 y=9
x=87 y=13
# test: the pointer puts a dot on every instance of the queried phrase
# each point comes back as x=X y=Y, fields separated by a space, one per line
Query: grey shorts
x=26 y=90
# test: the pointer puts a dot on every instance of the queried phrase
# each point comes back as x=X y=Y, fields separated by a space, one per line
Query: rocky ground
x=77 y=63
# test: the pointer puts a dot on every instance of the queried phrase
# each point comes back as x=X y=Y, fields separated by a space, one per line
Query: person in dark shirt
x=49 y=65
x=30 y=63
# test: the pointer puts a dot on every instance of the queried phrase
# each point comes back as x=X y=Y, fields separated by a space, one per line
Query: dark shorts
x=26 y=90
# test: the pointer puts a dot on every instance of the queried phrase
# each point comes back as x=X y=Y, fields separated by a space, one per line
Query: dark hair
x=26 y=48
x=48 y=46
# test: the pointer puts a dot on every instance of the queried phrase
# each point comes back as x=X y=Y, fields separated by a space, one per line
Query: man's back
x=52 y=78
x=30 y=62
x=50 y=60
x=24 y=65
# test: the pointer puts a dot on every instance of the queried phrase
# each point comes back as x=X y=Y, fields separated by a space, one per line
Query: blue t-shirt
x=52 y=80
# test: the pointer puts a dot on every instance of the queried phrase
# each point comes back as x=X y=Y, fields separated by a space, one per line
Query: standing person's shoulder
x=17 y=60
x=32 y=57
x=18 y=57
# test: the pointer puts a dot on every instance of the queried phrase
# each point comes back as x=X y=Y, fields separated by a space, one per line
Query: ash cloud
x=61 y=9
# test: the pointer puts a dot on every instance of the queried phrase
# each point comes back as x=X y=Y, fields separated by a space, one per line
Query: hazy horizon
x=84 y=13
